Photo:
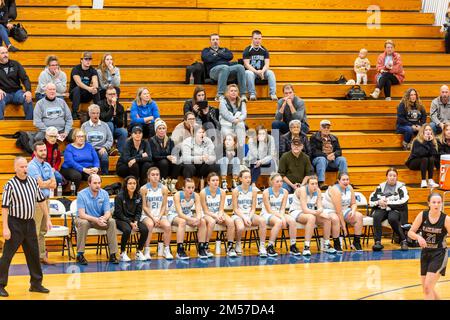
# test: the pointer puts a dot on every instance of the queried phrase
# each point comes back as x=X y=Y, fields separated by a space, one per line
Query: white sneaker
x=167 y=254
x=329 y=249
x=244 y=98
x=273 y=97
x=238 y=248
x=375 y=94
x=432 y=184
x=140 y=256
x=262 y=252
x=306 y=251
x=231 y=252
x=424 y=184
x=124 y=257
x=253 y=97
x=147 y=254
x=388 y=99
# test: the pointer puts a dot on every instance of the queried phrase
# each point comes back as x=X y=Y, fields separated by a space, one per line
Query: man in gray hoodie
x=52 y=112
x=440 y=110
x=99 y=135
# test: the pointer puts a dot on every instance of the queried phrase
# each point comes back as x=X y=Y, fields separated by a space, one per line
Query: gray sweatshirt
x=109 y=80
x=99 y=135
x=54 y=113
x=262 y=151
x=287 y=116
x=226 y=116
x=46 y=77
x=192 y=153
x=439 y=112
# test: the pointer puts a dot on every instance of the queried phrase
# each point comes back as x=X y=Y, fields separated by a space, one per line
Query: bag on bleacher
x=18 y=33
x=356 y=93
x=197 y=71
x=25 y=140
x=113 y=189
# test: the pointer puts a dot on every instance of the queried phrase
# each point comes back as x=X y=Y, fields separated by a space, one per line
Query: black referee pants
x=23 y=232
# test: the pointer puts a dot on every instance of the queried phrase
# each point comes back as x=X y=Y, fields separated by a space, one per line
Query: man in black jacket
x=113 y=113
x=218 y=66
x=12 y=75
x=326 y=153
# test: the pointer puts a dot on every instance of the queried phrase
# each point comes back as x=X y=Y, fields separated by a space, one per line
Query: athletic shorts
x=345 y=213
x=295 y=214
x=144 y=216
x=434 y=261
x=236 y=217
x=266 y=217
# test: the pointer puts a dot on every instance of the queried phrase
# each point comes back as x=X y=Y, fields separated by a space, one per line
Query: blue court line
x=396 y=289
x=218 y=262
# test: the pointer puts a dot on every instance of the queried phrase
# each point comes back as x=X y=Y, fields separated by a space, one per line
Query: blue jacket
x=138 y=113
x=213 y=58
x=80 y=158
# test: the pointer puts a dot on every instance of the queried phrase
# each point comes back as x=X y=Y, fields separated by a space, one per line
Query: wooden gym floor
x=365 y=275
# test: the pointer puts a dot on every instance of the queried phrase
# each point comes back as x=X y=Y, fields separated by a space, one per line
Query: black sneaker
x=113 y=259
x=11 y=48
x=208 y=253
x=181 y=254
x=75 y=116
x=404 y=245
x=40 y=289
x=82 y=260
x=202 y=253
x=3 y=292
x=377 y=246
x=356 y=245
x=271 y=251
x=323 y=186
x=337 y=247
x=294 y=251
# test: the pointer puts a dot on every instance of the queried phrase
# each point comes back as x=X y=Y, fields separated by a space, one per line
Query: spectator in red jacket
x=389 y=71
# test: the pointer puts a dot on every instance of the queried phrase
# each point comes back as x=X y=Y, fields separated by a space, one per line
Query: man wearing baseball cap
x=83 y=83
x=326 y=153
x=294 y=167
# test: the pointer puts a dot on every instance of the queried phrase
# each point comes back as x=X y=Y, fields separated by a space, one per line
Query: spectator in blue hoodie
x=80 y=159
x=144 y=112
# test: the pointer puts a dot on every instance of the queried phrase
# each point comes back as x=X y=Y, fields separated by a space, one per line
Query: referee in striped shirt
x=20 y=195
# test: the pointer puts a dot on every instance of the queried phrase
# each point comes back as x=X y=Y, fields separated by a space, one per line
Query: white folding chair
x=57 y=209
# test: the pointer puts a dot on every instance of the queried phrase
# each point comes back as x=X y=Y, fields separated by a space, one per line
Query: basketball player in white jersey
x=274 y=214
x=244 y=207
x=187 y=207
x=154 y=196
x=306 y=208
x=340 y=199
x=212 y=199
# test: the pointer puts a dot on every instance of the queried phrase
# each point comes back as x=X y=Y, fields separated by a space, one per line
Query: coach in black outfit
x=18 y=206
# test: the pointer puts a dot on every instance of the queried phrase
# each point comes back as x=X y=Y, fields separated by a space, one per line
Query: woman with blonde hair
x=389 y=71
x=423 y=154
x=232 y=114
x=411 y=115
x=144 y=112
x=108 y=75
x=443 y=141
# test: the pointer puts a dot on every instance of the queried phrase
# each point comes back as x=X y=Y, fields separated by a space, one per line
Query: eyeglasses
x=52 y=136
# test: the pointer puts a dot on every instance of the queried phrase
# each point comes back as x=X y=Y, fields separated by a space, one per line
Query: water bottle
x=218 y=242
x=59 y=190
x=191 y=79
x=160 y=249
x=73 y=189
x=52 y=193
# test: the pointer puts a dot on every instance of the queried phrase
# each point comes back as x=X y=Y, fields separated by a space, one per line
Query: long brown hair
x=441 y=137
x=420 y=135
x=196 y=91
x=102 y=66
x=408 y=104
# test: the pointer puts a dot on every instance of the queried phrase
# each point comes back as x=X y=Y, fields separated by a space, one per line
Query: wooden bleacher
x=152 y=42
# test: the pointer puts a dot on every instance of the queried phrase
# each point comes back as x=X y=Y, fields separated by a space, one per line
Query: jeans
x=4 y=35
x=121 y=134
x=104 y=162
x=407 y=131
x=58 y=177
x=436 y=128
x=225 y=163
x=269 y=75
x=16 y=98
x=321 y=164
x=78 y=95
x=256 y=172
x=288 y=188
x=221 y=73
